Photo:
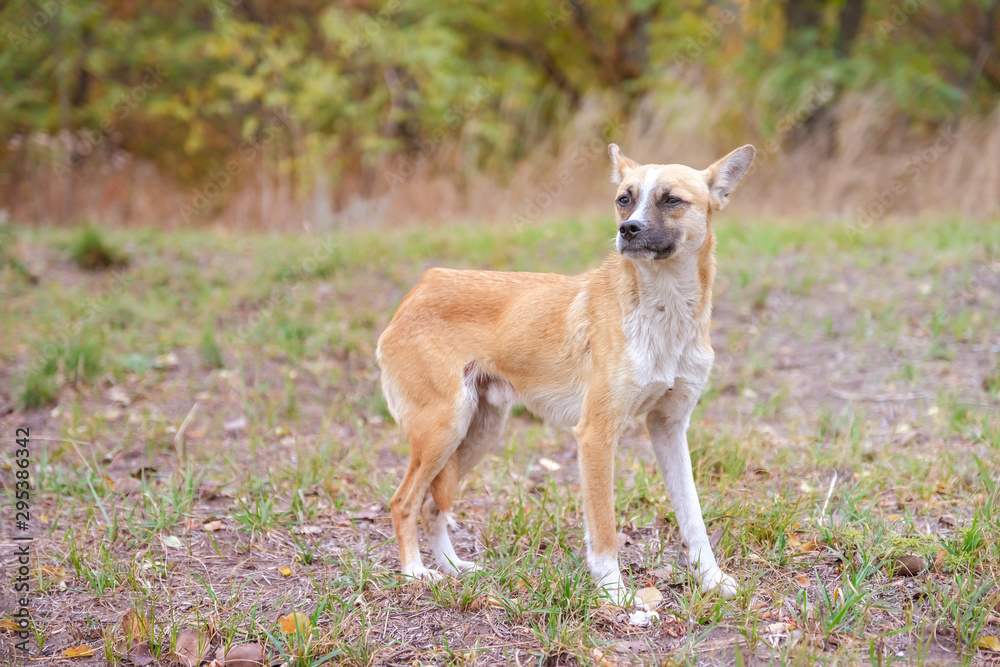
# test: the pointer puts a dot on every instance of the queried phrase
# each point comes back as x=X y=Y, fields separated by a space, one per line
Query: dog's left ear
x=723 y=176
x=620 y=165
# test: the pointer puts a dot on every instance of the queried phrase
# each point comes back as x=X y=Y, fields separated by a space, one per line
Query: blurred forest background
x=271 y=114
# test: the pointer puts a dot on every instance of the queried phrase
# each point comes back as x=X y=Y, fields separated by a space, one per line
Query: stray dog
x=592 y=351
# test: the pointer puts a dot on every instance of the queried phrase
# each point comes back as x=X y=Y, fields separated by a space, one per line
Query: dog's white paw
x=718 y=581
x=421 y=573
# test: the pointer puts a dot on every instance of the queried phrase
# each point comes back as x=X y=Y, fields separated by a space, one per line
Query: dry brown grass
x=879 y=169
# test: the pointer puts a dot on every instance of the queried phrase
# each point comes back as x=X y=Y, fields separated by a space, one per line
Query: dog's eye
x=623 y=200
x=672 y=201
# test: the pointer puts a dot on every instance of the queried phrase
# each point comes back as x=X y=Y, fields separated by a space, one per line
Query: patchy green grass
x=852 y=419
x=91 y=251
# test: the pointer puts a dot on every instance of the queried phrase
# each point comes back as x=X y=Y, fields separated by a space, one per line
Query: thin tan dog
x=593 y=351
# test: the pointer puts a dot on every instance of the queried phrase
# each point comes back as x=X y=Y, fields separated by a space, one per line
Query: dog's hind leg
x=485 y=431
x=435 y=432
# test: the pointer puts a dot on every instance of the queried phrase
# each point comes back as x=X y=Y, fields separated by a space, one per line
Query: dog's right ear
x=620 y=165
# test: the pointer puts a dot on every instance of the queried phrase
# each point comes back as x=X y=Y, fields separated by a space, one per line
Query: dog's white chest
x=662 y=345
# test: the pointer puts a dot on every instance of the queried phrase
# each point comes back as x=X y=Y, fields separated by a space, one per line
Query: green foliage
x=91 y=252
x=202 y=87
x=10 y=260
x=80 y=359
x=83 y=359
x=208 y=346
x=37 y=389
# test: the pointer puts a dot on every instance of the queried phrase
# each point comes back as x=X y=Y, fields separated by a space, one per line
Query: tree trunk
x=986 y=46
x=850 y=25
x=807 y=14
x=62 y=85
x=801 y=15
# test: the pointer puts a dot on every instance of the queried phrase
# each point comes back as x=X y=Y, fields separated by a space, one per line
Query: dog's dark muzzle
x=644 y=240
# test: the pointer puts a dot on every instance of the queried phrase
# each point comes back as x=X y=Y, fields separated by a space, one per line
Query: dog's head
x=663 y=210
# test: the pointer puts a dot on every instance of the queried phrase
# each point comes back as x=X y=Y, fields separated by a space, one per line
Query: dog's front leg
x=596 y=435
x=667 y=426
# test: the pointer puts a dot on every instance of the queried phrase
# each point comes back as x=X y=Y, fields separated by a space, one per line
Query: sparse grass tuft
x=92 y=252
x=208 y=347
x=10 y=259
x=37 y=388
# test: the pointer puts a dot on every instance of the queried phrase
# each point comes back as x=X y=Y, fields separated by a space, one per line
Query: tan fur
x=465 y=344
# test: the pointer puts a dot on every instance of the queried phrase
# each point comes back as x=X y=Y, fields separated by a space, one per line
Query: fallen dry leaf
x=139 y=653
x=117 y=394
x=172 y=541
x=807 y=547
x=143 y=472
x=241 y=655
x=649 y=595
x=81 y=651
x=9 y=625
x=213 y=526
x=134 y=625
x=286 y=571
x=480 y=603
x=989 y=643
x=295 y=622
x=166 y=361
x=777 y=628
x=908 y=566
x=803 y=581
x=939 y=560
x=191 y=647
x=369 y=514
x=235 y=425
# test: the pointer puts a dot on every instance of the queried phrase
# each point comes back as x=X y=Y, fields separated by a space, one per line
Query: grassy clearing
x=852 y=419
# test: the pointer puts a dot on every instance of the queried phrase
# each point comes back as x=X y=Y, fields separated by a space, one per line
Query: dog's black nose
x=629 y=229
